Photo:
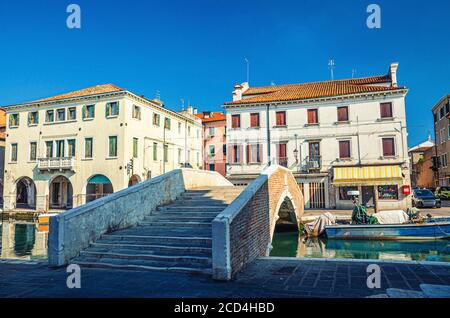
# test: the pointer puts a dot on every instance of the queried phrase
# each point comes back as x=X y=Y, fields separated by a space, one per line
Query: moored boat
x=431 y=229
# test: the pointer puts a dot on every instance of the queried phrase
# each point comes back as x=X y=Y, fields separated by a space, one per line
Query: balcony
x=62 y=163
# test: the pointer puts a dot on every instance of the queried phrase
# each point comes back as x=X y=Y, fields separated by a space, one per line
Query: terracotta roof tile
x=310 y=90
x=98 y=89
x=214 y=116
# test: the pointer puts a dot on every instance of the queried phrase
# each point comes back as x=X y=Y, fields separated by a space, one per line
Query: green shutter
x=83 y=111
x=29 y=119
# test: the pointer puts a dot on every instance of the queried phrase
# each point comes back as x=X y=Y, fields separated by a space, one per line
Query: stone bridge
x=185 y=220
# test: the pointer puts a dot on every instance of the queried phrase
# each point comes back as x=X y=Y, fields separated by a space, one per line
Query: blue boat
x=432 y=229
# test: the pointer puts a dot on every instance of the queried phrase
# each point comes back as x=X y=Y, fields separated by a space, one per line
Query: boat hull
x=425 y=231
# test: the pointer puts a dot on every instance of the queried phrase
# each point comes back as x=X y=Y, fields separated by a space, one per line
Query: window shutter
x=248 y=153
x=29 y=118
x=230 y=154
x=240 y=153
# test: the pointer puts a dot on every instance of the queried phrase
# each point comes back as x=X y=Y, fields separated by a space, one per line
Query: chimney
x=190 y=110
x=393 y=73
x=239 y=89
x=206 y=114
x=195 y=111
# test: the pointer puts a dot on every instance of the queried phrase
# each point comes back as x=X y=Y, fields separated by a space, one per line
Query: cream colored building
x=70 y=149
x=335 y=136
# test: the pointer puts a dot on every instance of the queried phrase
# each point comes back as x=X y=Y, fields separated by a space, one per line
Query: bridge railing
x=74 y=230
x=243 y=231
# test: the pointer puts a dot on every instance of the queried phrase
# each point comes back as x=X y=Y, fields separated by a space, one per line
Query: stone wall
x=244 y=230
x=74 y=230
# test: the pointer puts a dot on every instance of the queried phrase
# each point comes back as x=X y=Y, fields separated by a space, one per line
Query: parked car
x=424 y=198
x=443 y=193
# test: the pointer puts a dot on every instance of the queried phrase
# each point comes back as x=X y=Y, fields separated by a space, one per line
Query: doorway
x=368 y=196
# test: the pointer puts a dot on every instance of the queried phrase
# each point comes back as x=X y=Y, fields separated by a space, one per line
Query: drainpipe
x=357 y=137
x=269 y=162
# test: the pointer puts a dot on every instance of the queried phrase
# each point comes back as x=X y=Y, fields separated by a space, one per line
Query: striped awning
x=368 y=175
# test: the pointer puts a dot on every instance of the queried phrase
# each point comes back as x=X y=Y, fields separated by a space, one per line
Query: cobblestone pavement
x=273 y=278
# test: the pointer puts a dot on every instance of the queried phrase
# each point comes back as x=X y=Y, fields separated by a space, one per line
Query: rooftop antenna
x=272 y=83
x=353 y=72
x=158 y=94
x=182 y=103
x=331 y=67
x=248 y=69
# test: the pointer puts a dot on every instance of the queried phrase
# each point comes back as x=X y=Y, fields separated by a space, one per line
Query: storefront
x=380 y=187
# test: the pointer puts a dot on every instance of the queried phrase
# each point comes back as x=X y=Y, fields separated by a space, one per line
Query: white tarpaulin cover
x=317 y=227
x=391 y=217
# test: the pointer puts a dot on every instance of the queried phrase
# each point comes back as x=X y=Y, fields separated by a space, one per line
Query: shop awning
x=99 y=179
x=369 y=175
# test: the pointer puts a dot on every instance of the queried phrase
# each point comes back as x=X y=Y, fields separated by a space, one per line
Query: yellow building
x=70 y=149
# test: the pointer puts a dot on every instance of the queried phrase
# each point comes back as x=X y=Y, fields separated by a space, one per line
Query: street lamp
x=296 y=149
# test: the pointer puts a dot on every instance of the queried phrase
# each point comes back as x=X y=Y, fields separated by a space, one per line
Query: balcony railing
x=62 y=163
x=313 y=163
x=282 y=161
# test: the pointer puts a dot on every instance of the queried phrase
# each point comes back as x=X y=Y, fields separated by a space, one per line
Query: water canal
x=26 y=240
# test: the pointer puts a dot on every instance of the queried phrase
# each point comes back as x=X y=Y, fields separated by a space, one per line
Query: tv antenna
x=248 y=69
x=182 y=103
x=353 y=72
x=331 y=67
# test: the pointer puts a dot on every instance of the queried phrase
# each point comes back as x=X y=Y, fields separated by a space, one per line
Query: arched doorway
x=134 y=180
x=25 y=193
x=61 y=193
x=98 y=186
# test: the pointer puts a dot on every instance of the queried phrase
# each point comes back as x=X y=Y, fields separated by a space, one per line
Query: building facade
x=2 y=150
x=335 y=136
x=214 y=141
x=73 y=148
x=441 y=114
x=422 y=168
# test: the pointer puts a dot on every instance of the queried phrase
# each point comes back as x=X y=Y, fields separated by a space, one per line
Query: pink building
x=214 y=141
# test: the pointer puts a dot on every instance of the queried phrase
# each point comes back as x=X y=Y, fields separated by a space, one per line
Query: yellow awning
x=369 y=175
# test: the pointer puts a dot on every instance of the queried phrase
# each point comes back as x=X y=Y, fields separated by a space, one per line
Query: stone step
x=150 y=249
x=124 y=265
x=174 y=224
x=174 y=214
x=150 y=230
x=179 y=260
x=180 y=217
x=180 y=241
x=169 y=208
x=197 y=203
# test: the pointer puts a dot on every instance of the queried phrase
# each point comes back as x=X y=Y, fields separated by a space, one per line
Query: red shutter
x=312 y=116
x=281 y=118
x=248 y=154
x=260 y=153
x=342 y=113
x=230 y=154
x=344 y=149
x=235 y=121
x=388 y=147
x=254 y=120
x=240 y=154
x=386 y=110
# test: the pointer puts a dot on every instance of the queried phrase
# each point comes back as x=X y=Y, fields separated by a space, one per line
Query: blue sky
x=195 y=49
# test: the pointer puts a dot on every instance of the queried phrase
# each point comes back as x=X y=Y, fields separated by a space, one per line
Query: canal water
x=26 y=240
x=290 y=244
x=23 y=240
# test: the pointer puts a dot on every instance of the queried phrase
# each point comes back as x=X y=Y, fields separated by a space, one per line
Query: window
x=342 y=113
x=61 y=114
x=254 y=120
x=155 y=151
x=166 y=153
x=112 y=109
x=112 y=151
x=198 y=159
x=88 y=147
x=167 y=123
x=88 y=112
x=136 y=112
x=441 y=112
x=386 y=110
x=388 y=147
x=13 y=120
x=447 y=107
x=135 y=147
x=71 y=147
x=179 y=128
x=282 y=154
x=212 y=150
x=235 y=154
x=281 y=118
x=388 y=192
x=14 y=152
x=224 y=149
x=444 y=160
x=188 y=161
x=156 y=118
x=179 y=156
x=212 y=167
x=442 y=135
x=314 y=150
x=344 y=149
x=211 y=131
x=72 y=113
x=49 y=149
x=312 y=117
x=33 y=118
x=33 y=147
x=235 y=121
x=189 y=131
x=254 y=153
x=343 y=193
x=59 y=148
x=50 y=116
